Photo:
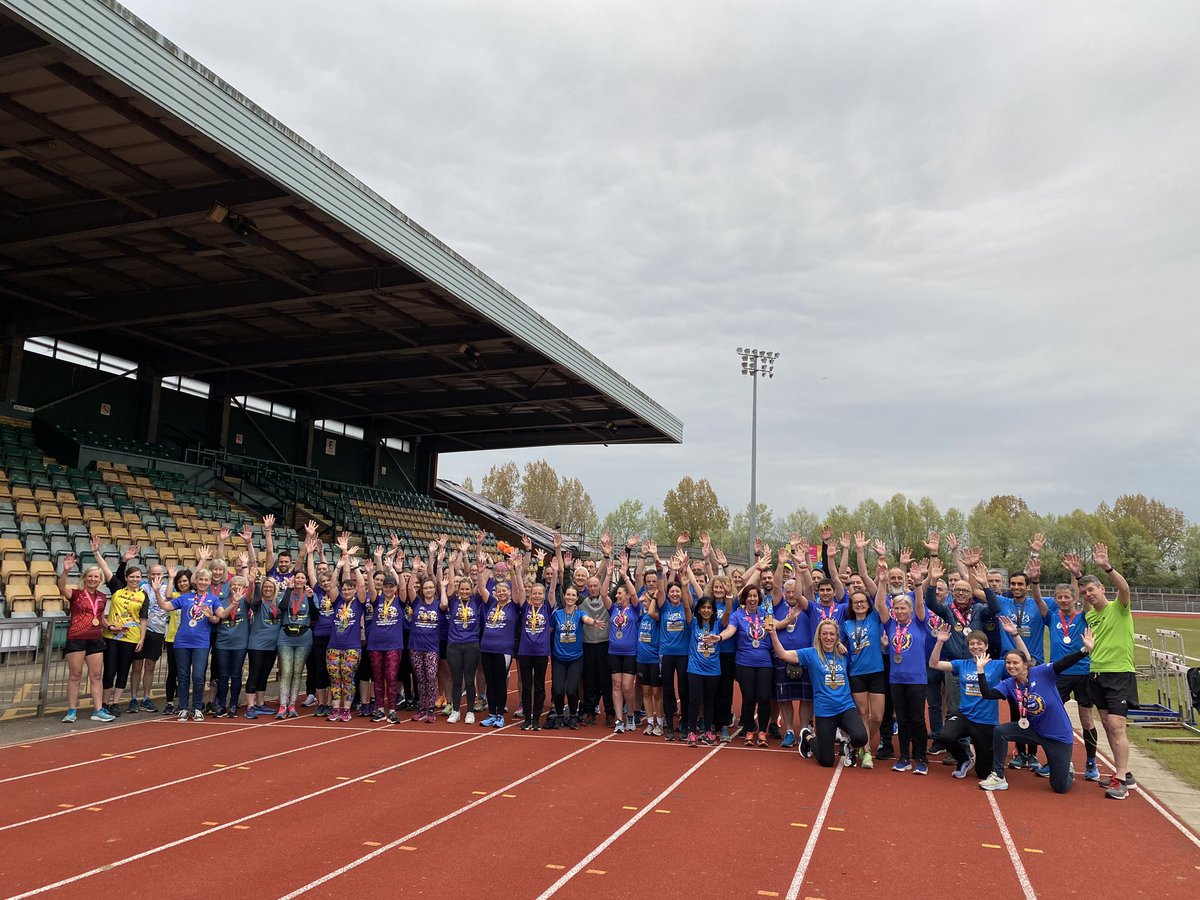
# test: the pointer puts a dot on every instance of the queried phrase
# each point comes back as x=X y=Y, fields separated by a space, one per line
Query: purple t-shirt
x=1043 y=706
x=324 y=626
x=347 y=622
x=387 y=632
x=464 y=620
x=426 y=618
x=908 y=643
x=536 y=630
x=499 y=626
x=622 y=629
x=751 y=629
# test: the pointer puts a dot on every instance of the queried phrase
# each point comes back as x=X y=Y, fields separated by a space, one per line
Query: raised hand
x=378 y=553
x=343 y=542
x=464 y=546
x=971 y=556
x=310 y=528
x=705 y=540
x=479 y=536
x=1100 y=556
x=527 y=543
x=905 y=557
x=1033 y=569
x=881 y=567
x=1037 y=543
x=720 y=557
x=558 y=542
x=952 y=541
x=606 y=544
x=624 y=560
x=68 y=563
x=932 y=543
x=269 y=522
x=131 y=553
x=204 y=554
x=541 y=556
x=394 y=539
x=1089 y=639
x=632 y=541
x=844 y=540
x=826 y=534
x=682 y=538
x=1009 y=626
x=247 y=534
x=441 y=541
x=943 y=633
x=1073 y=564
x=936 y=569
x=226 y=532
x=652 y=548
x=310 y=545
x=880 y=548
x=860 y=540
x=758 y=545
x=244 y=560
x=95 y=542
x=433 y=546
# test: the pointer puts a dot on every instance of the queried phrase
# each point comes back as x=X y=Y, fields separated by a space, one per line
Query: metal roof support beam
x=475 y=425
x=442 y=401
x=502 y=441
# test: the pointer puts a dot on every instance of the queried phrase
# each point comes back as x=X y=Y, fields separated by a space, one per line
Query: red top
x=85 y=607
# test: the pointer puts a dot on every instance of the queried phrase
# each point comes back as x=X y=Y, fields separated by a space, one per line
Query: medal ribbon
x=898 y=638
x=1020 y=694
x=964 y=621
x=1066 y=626
x=756 y=627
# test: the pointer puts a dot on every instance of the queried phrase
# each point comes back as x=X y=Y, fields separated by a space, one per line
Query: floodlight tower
x=755 y=363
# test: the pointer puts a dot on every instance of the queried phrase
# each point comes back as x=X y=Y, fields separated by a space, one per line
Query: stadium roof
x=149 y=209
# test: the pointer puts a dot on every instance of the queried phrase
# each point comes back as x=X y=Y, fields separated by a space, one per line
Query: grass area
x=1182 y=759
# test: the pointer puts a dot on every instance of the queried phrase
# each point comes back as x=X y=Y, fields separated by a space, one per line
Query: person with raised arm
x=567 y=649
x=865 y=641
x=323 y=590
x=425 y=634
x=198 y=613
x=533 y=650
x=884 y=750
x=974 y=718
x=462 y=640
x=86 y=606
x=1113 y=682
x=704 y=668
x=904 y=624
x=649 y=655
x=351 y=592
x=724 y=592
x=833 y=706
x=125 y=633
x=795 y=631
x=262 y=647
x=673 y=646
x=1065 y=624
x=299 y=615
x=233 y=639
x=385 y=640
x=1042 y=717
x=500 y=616
x=623 y=614
x=747 y=626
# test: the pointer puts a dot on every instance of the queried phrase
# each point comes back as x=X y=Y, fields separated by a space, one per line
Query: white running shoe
x=455 y=716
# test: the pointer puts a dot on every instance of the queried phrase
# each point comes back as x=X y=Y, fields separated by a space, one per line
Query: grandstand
x=208 y=320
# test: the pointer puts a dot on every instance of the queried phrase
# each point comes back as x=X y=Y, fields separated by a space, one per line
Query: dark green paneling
x=44 y=379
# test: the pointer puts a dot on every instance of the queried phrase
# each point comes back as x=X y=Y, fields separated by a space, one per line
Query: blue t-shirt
x=535 y=630
x=265 y=619
x=426 y=620
x=703 y=659
x=795 y=636
x=726 y=646
x=464 y=620
x=753 y=642
x=194 y=627
x=499 y=626
x=672 y=629
x=863 y=640
x=1072 y=643
x=971 y=703
x=647 y=640
x=1031 y=624
x=568 y=634
x=387 y=630
x=908 y=642
x=347 y=624
x=817 y=612
x=234 y=633
x=623 y=629
x=831 y=686
x=1042 y=705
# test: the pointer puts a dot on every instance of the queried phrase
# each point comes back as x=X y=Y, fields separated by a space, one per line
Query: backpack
x=1193 y=682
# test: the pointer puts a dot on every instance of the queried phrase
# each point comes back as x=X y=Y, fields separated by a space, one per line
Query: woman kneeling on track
x=833 y=706
x=1043 y=717
x=977 y=717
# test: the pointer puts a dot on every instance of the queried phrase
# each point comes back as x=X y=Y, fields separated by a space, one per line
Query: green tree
x=1008 y=504
x=502 y=484
x=627 y=519
x=576 y=512
x=902 y=526
x=657 y=530
x=541 y=497
x=1189 y=568
x=804 y=523
x=1165 y=525
x=692 y=506
x=737 y=539
x=468 y=484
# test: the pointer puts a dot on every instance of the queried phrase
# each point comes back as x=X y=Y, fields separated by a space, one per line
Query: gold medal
x=95 y=622
x=959 y=629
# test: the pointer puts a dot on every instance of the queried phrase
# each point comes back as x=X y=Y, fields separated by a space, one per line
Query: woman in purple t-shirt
x=423 y=644
x=344 y=651
x=533 y=654
x=499 y=637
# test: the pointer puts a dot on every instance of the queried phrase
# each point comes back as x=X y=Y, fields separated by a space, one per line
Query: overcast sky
x=971 y=230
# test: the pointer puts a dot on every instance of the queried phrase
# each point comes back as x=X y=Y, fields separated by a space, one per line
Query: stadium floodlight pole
x=755 y=363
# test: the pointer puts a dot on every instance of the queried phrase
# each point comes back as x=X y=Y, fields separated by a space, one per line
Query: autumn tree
x=1008 y=504
x=502 y=484
x=692 y=506
x=468 y=484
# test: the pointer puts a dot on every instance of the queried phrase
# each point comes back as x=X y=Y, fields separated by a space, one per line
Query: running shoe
x=994 y=782
x=470 y=719
x=169 y=709
x=726 y=737
x=1117 y=789
x=806 y=741
x=378 y=716
x=282 y=713
x=499 y=722
x=446 y=709
x=709 y=738
x=479 y=704
x=773 y=731
x=573 y=723
x=440 y=701
x=69 y=718
x=619 y=728
x=133 y=705
x=658 y=728
x=183 y=715
x=884 y=750
x=197 y=715
x=1017 y=762
x=935 y=747
x=147 y=705
x=392 y=718
x=520 y=713
x=921 y=768
x=669 y=733
x=847 y=754
x=527 y=725
x=903 y=764
x=1130 y=782
x=1043 y=771
x=691 y=739
x=346 y=714
x=219 y=712
x=251 y=712
x=231 y=713
x=961 y=770
x=486 y=723
x=762 y=739
x=309 y=701
x=609 y=720
x=292 y=714
x=865 y=760
x=630 y=724
x=789 y=741
x=334 y=716
x=649 y=729
x=113 y=710
x=454 y=717
x=1091 y=772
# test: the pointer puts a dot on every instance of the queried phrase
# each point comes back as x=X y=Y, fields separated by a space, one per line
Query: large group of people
x=906 y=659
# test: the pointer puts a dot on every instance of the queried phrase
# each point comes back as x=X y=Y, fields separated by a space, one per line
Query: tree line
x=1152 y=543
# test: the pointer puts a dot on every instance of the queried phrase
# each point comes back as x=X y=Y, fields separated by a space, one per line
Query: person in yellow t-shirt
x=124 y=630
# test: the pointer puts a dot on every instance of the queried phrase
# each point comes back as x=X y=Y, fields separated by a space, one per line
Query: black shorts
x=1114 y=692
x=364 y=672
x=875 y=683
x=1079 y=685
x=622 y=665
x=152 y=647
x=649 y=674
x=87 y=647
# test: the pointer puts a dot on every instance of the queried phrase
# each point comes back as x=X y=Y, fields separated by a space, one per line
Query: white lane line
x=100 y=759
x=107 y=867
x=1163 y=811
x=158 y=787
x=813 y=835
x=1022 y=875
x=100 y=729
x=615 y=836
x=391 y=845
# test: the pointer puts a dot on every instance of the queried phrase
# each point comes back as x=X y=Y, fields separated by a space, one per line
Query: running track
x=314 y=809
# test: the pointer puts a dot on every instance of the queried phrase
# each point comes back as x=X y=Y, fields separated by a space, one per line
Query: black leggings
x=909 y=701
x=533 y=685
x=672 y=666
x=889 y=708
x=316 y=676
x=1058 y=754
x=724 y=713
x=1025 y=747
x=463 y=660
x=564 y=682
x=495 y=673
x=261 y=663
x=172 y=671
x=597 y=685
x=118 y=657
x=755 y=683
x=826 y=727
x=957 y=727
x=701 y=689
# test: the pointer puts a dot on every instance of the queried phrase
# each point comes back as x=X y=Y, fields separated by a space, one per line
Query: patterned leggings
x=425 y=666
x=291 y=671
x=386 y=665
x=342 y=664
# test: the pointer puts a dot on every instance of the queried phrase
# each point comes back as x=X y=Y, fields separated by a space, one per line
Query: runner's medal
x=1022 y=722
x=95 y=609
x=962 y=620
x=897 y=642
x=756 y=632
